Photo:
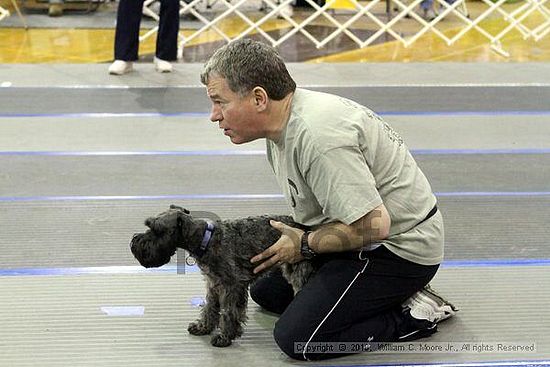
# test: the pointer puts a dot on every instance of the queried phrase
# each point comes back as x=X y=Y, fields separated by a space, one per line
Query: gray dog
x=223 y=251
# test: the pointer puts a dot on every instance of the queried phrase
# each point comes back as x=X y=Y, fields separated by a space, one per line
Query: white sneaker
x=287 y=10
x=120 y=67
x=428 y=305
x=162 y=66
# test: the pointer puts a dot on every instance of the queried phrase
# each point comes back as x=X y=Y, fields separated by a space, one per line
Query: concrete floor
x=81 y=169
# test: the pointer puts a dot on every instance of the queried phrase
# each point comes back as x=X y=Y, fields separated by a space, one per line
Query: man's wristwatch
x=305 y=250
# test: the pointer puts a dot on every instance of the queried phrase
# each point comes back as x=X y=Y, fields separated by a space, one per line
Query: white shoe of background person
x=287 y=10
x=120 y=67
x=162 y=66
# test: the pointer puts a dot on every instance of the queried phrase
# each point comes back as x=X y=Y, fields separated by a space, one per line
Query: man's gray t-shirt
x=337 y=160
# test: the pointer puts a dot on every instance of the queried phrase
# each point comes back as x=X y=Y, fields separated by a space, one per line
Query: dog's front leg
x=234 y=299
x=210 y=314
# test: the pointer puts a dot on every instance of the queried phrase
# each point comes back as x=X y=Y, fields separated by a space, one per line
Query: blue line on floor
x=261 y=152
x=494 y=263
x=479 y=151
x=96 y=270
x=139 y=153
x=465 y=113
x=143 y=197
x=184 y=269
x=492 y=193
x=534 y=363
x=462 y=85
x=243 y=196
x=206 y=114
x=105 y=114
x=87 y=271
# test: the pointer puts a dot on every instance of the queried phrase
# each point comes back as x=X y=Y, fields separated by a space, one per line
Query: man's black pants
x=347 y=300
x=127 y=30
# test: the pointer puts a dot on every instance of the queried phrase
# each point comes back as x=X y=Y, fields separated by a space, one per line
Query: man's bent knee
x=291 y=339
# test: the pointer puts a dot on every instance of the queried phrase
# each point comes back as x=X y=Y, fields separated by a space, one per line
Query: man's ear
x=260 y=98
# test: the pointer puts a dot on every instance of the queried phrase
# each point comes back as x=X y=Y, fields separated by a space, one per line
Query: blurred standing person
x=55 y=8
x=428 y=12
x=127 y=36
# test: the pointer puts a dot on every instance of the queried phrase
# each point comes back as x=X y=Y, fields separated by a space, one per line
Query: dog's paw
x=221 y=341
x=198 y=328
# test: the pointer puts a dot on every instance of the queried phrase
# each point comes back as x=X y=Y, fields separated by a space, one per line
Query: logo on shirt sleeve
x=293 y=189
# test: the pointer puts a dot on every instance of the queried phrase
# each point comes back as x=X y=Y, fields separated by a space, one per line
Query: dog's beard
x=151 y=251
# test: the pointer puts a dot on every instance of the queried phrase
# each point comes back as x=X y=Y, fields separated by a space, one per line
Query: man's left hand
x=285 y=250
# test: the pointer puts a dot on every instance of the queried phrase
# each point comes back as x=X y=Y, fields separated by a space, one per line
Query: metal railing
x=514 y=18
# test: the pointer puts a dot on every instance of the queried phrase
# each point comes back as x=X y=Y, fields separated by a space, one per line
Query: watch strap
x=305 y=250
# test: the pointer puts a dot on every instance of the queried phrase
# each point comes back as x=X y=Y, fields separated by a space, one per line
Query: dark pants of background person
x=370 y=310
x=127 y=30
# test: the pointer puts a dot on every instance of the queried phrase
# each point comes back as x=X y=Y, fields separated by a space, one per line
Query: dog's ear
x=176 y=207
x=183 y=216
x=155 y=225
x=172 y=206
x=149 y=222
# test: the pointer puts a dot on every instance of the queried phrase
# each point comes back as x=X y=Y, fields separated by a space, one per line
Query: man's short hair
x=246 y=64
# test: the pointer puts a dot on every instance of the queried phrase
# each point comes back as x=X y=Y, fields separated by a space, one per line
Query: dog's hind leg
x=297 y=274
x=234 y=300
x=210 y=314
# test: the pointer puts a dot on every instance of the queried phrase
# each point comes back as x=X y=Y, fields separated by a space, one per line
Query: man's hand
x=285 y=250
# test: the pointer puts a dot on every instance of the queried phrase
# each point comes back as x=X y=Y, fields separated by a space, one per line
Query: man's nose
x=215 y=114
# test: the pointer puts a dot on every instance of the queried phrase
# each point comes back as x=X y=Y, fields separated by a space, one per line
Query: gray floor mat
x=97 y=233
x=61 y=320
x=64 y=321
x=190 y=133
x=28 y=176
x=193 y=99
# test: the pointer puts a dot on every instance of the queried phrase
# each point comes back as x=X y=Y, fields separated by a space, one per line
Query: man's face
x=236 y=115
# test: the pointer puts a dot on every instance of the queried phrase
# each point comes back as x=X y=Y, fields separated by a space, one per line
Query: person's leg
x=127 y=30
x=351 y=301
x=272 y=292
x=427 y=9
x=55 y=8
x=167 y=37
x=426 y=4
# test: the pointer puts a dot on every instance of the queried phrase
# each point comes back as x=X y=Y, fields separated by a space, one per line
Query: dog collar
x=206 y=238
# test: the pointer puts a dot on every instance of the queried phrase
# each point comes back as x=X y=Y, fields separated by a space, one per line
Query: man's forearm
x=339 y=237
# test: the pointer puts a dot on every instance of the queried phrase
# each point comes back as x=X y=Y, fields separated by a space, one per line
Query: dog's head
x=167 y=231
